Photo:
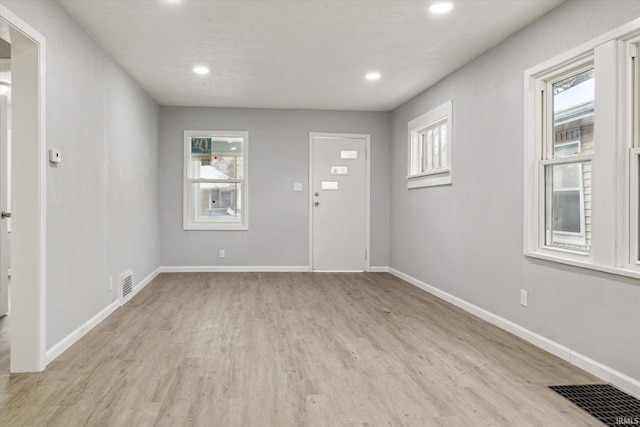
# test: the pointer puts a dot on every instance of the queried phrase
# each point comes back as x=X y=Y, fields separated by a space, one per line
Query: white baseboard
x=250 y=269
x=234 y=269
x=622 y=381
x=73 y=337
x=617 y=378
x=62 y=345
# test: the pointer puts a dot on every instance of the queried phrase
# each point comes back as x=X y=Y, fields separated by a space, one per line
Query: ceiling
x=301 y=54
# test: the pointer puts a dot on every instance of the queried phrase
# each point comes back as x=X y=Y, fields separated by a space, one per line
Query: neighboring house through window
x=215 y=182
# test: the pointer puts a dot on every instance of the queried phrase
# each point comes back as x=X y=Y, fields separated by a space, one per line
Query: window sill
x=619 y=271
x=431 y=180
x=215 y=227
x=429 y=173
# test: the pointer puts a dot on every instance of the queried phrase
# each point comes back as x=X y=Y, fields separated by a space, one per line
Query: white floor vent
x=126 y=286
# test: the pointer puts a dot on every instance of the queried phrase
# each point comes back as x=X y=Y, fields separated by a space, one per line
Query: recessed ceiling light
x=441 y=7
x=372 y=76
x=201 y=70
x=173 y=1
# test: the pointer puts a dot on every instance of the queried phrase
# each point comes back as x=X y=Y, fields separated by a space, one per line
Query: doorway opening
x=28 y=198
x=5 y=199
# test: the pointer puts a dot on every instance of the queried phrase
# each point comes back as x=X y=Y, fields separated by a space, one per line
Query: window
x=567 y=161
x=582 y=162
x=215 y=182
x=430 y=148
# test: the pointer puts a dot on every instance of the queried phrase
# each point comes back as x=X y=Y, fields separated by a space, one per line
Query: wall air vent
x=126 y=286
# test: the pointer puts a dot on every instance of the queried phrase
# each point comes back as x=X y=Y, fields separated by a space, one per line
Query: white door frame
x=367 y=139
x=5 y=252
x=29 y=160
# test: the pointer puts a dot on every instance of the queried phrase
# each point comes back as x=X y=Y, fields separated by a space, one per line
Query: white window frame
x=615 y=171
x=633 y=106
x=187 y=222
x=545 y=85
x=417 y=128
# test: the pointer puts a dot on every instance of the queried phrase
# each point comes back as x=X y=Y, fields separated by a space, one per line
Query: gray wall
x=279 y=156
x=467 y=239
x=102 y=199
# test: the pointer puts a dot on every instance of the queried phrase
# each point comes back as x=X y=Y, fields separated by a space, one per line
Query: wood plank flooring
x=293 y=349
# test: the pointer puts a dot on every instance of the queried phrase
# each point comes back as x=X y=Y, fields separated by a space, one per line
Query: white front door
x=339 y=211
x=4 y=222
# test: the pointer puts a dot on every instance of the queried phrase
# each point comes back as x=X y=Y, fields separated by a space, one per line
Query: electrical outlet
x=221 y=253
x=524 y=298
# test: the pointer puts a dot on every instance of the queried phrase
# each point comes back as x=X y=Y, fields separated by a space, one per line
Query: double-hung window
x=582 y=156
x=215 y=180
x=568 y=149
x=430 y=148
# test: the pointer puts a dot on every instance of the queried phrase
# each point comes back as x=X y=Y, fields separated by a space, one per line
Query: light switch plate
x=297 y=186
x=524 y=298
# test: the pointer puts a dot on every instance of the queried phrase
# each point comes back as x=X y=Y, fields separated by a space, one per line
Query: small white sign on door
x=339 y=170
x=349 y=154
x=329 y=185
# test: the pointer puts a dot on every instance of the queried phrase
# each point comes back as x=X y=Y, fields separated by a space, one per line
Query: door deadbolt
x=317 y=194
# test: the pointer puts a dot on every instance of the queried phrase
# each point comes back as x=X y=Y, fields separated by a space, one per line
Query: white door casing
x=4 y=206
x=28 y=221
x=339 y=202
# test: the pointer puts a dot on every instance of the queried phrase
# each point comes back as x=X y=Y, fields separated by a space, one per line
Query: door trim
x=28 y=324
x=367 y=140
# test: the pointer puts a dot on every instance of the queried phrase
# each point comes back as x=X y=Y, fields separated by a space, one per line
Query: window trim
x=417 y=127
x=187 y=223
x=541 y=150
x=618 y=251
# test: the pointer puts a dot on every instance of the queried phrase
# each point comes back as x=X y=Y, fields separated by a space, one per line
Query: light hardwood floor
x=293 y=349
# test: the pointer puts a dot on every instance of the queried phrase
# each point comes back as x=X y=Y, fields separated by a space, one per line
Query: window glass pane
x=436 y=148
x=216 y=158
x=417 y=142
x=568 y=206
x=429 y=151
x=444 y=160
x=567 y=149
x=216 y=202
x=573 y=111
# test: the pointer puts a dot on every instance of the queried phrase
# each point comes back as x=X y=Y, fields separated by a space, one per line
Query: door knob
x=5 y=215
x=317 y=203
